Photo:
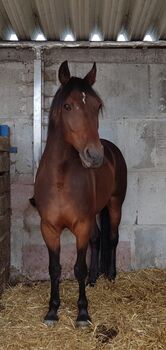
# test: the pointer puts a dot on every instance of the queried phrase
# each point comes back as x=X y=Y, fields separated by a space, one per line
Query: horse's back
x=118 y=167
x=113 y=152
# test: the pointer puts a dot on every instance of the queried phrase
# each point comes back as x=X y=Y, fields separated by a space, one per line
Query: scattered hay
x=130 y=314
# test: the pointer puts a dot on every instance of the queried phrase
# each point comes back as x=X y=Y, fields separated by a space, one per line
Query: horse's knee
x=54 y=264
x=51 y=236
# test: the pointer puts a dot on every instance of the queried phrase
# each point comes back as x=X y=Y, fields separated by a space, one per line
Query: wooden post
x=4 y=211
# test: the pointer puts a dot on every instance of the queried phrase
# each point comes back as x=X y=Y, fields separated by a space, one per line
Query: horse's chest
x=60 y=186
x=70 y=192
x=65 y=205
x=64 y=198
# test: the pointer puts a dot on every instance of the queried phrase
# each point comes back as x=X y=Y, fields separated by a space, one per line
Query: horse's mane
x=64 y=91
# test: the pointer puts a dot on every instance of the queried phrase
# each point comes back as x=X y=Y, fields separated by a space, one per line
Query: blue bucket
x=4 y=130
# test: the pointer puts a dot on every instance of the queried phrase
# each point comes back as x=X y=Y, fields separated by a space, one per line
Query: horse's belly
x=104 y=186
x=102 y=200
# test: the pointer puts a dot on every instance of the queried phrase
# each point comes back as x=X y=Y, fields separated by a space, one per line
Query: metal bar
x=84 y=44
x=37 y=120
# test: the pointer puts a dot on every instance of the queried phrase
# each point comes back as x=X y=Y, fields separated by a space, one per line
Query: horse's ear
x=91 y=76
x=64 y=73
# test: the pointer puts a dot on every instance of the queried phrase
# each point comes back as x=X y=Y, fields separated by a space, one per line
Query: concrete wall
x=16 y=110
x=132 y=84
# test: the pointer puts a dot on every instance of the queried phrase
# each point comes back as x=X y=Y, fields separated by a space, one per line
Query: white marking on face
x=83 y=97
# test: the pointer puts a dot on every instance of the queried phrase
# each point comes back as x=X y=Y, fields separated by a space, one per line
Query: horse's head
x=80 y=106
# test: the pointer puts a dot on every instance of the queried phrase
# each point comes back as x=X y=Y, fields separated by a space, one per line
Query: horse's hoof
x=50 y=323
x=91 y=281
x=111 y=276
x=83 y=323
x=111 y=279
x=51 y=318
x=90 y=284
x=83 y=320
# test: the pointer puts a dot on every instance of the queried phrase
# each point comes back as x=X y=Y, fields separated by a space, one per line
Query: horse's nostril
x=87 y=153
x=93 y=154
x=102 y=151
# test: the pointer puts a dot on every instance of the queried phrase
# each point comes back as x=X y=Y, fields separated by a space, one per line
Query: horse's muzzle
x=92 y=157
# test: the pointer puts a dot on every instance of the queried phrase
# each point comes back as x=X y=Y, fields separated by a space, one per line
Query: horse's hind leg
x=94 y=263
x=52 y=239
x=115 y=217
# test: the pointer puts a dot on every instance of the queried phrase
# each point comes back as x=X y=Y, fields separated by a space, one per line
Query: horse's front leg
x=94 y=262
x=52 y=239
x=80 y=269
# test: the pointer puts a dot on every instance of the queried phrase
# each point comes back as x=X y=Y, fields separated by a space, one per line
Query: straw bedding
x=129 y=314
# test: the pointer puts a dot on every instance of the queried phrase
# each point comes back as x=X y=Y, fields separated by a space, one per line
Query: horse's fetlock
x=83 y=304
x=54 y=304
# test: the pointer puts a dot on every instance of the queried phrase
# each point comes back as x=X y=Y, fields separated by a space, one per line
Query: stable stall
x=127 y=41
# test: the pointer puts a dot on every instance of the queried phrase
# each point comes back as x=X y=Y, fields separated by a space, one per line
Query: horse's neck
x=57 y=148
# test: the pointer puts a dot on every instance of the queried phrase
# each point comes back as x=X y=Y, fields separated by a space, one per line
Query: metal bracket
x=37 y=107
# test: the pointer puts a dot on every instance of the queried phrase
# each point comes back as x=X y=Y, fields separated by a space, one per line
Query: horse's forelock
x=64 y=91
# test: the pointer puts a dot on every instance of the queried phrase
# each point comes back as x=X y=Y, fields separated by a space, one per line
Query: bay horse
x=79 y=176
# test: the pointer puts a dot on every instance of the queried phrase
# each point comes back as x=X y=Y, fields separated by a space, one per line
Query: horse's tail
x=104 y=241
x=32 y=201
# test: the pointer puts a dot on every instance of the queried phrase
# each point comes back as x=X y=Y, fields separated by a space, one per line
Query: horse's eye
x=67 y=107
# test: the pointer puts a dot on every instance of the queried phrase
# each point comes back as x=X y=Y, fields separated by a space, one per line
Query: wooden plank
x=4 y=225
x=4 y=144
x=4 y=162
x=4 y=262
x=4 y=204
x=4 y=183
x=5 y=251
x=4 y=278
